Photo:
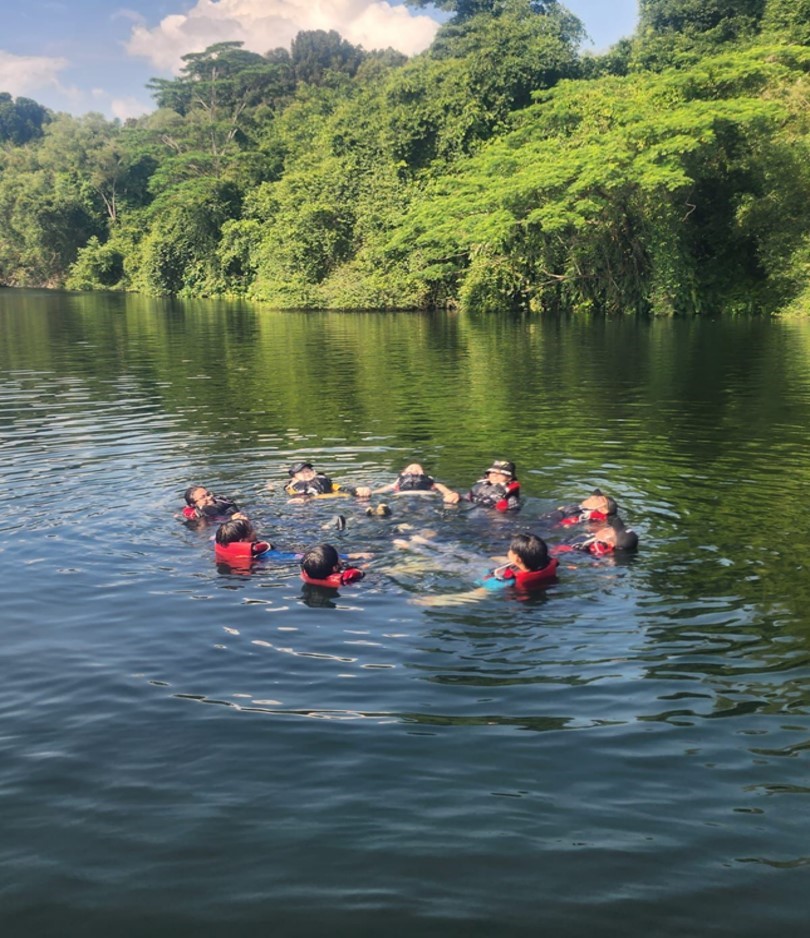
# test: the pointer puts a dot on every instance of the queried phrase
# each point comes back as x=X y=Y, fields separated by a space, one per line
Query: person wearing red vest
x=203 y=505
x=498 y=488
x=236 y=542
x=322 y=566
x=608 y=539
x=596 y=508
x=528 y=566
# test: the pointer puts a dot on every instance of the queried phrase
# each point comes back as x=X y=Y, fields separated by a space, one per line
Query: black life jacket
x=503 y=497
x=221 y=510
x=320 y=485
x=414 y=482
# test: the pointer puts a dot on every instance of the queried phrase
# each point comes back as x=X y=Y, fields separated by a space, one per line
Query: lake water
x=191 y=750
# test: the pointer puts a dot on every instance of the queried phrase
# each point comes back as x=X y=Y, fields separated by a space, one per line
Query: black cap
x=298 y=467
x=501 y=465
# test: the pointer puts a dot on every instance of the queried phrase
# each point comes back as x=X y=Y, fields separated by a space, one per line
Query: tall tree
x=315 y=52
x=788 y=20
x=726 y=19
x=21 y=120
x=464 y=9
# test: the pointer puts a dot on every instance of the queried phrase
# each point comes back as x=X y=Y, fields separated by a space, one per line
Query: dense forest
x=503 y=168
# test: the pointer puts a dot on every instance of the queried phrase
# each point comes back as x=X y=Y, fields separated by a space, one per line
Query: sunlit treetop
x=467 y=8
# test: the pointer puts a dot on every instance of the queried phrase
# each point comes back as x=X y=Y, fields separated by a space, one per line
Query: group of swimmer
x=529 y=565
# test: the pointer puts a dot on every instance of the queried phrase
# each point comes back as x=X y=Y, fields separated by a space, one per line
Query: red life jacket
x=532 y=579
x=336 y=579
x=221 y=510
x=240 y=551
x=601 y=548
x=597 y=548
x=584 y=516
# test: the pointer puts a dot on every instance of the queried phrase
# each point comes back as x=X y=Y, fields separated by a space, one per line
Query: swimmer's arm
x=448 y=495
x=359 y=491
x=384 y=489
x=452 y=599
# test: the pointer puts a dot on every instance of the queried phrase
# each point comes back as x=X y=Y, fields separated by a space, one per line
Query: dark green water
x=187 y=750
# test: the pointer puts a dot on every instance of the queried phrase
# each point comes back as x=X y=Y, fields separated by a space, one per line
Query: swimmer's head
x=302 y=471
x=198 y=496
x=596 y=501
x=321 y=561
x=414 y=469
x=615 y=533
x=528 y=551
x=501 y=472
x=232 y=531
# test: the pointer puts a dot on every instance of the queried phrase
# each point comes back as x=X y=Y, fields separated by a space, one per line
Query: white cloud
x=267 y=24
x=121 y=107
x=124 y=108
x=25 y=74
x=124 y=13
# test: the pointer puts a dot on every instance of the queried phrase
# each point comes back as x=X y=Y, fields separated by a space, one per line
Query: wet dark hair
x=319 y=562
x=234 y=530
x=626 y=538
x=612 y=507
x=531 y=549
x=189 y=491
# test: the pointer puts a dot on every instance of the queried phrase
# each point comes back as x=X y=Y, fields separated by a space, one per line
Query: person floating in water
x=610 y=538
x=237 y=544
x=498 y=488
x=305 y=482
x=203 y=505
x=321 y=566
x=413 y=478
x=597 y=507
x=528 y=566
x=237 y=541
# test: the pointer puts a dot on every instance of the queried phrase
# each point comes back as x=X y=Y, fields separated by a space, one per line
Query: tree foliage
x=21 y=120
x=499 y=168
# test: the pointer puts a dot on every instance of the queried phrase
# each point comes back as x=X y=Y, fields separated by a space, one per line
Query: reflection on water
x=632 y=743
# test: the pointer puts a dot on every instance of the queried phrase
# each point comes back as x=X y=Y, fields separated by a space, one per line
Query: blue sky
x=97 y=55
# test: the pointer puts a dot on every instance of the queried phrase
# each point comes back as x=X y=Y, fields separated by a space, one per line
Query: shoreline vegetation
x=501 y=169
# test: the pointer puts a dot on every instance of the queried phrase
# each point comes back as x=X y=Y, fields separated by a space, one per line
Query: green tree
x=679 y=32
x=179 y=254
x=726 y=18
x=622 y=195
x=465 y=9
x=316 y=52
x=21 y=120
x=788 y=20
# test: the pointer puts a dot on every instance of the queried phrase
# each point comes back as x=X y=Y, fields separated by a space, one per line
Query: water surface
x=194 y=750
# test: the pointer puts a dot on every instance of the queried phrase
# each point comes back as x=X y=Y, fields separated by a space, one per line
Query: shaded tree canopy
x=21 y=120
x=315 y=52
